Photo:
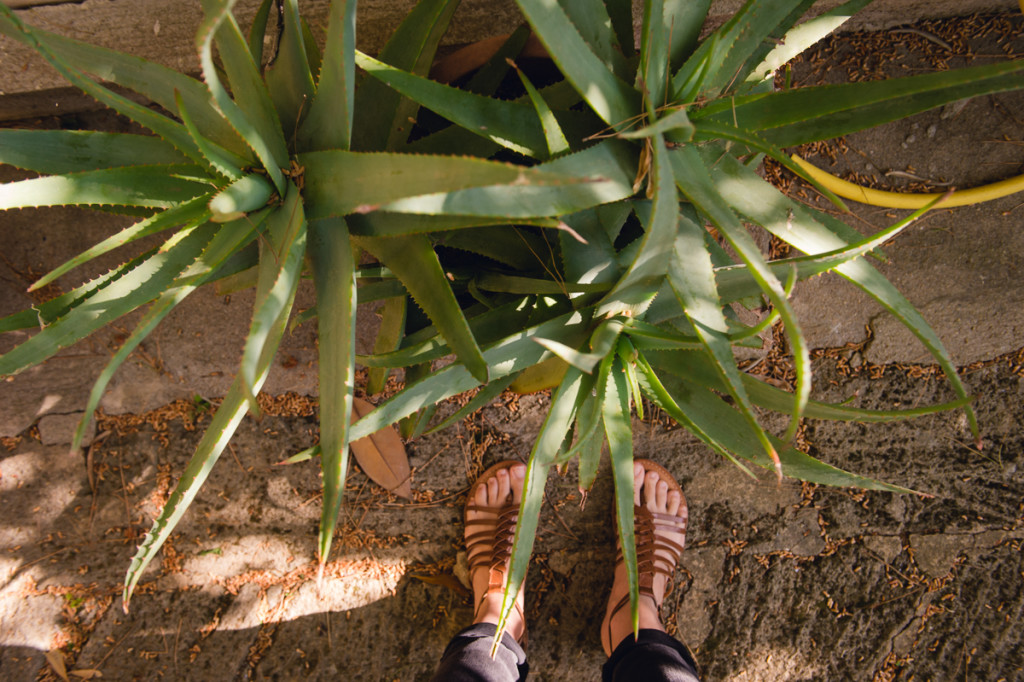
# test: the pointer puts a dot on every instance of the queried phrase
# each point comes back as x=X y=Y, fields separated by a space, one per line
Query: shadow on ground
x=778 y=581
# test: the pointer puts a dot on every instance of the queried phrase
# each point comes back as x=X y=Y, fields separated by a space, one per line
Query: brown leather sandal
x=646 y=526
x=491 y=546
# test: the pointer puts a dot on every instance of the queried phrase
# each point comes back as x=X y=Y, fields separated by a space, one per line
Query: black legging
x=653 y=657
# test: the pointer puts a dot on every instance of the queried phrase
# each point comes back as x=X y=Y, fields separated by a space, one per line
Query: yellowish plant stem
x=876 y=197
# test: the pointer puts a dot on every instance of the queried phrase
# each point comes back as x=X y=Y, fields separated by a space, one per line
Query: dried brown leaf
x=382 y=455
x=56 y=660
x=444 y=580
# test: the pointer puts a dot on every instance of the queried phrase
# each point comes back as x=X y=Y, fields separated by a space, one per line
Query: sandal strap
x=656 y=555
x=491 y=546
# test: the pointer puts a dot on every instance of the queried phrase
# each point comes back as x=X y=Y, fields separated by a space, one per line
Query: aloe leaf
x=329 y=123
x=704 y=193
x=692 y=278
x=483 y=397
x=627 y=355
x=46 y=313
x=654 y=54
x=215 y=439
x=100 y=303
x=699 y=368
x=228 y=239
x=714 y=155
x=584 y=399
x=108 y=65
x=222 y=427
x=728 y=428
x=280 y=268
x=55 y=152
x=598 y=175
x=802 y=466
x=792 y=117
x=258 y=30
x=656 y=392
x=585 y=362
x=793 y=223
x=289 y=77
x=255 y=106
x=553 y=135
x=154 y=81
x=642 y=280
x=799 y=38
x=461 y=234
x=389 y=337
x=413 y=260
x=511 y=284
x=643 y=335
x=144 y=186
x=312 y=48
x=246 y=194
x=684 y=19
x=381 y=114
x=619 y=432
x=720 y=59
x=217 y=159
x=675 y=123
x=592 y=21
x=775 y=38
x=620 y=18
x=262 y=132
x=427 y=345
x=735 y=281
x=590 y=427
x=717 y=131
x=449 y=139
x=512 y=354
x=593 y=260
x=330 y=252
x=509 y=124
x=552 y=433
x=610 y=97
x=339 y=182
x=772 y=398
x=511 y=245
x=190 y=212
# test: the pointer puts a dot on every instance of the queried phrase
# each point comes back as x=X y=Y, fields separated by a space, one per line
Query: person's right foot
x=654 y=493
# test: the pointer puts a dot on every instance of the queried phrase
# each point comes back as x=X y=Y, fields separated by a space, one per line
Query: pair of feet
x=501 y=488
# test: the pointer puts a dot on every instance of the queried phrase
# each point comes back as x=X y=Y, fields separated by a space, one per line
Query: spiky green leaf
x=413 y=260
x=329 y=123
x=610 y=97
x=330 y=253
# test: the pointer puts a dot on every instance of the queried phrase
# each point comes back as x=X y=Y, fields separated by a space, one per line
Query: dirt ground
x=778 y=582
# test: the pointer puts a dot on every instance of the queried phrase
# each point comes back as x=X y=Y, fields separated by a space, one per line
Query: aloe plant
x=597 y=244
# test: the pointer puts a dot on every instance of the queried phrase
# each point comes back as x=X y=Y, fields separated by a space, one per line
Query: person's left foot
x=656 y=491
x=490 y=521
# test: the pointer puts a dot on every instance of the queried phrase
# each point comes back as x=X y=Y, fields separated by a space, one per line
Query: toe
x=638 y=482
x=518 y=479
x=492 y=491
x=504 y=488
x=661 y=497
x=480 y=495
x=674 y=502
x=651 y=490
